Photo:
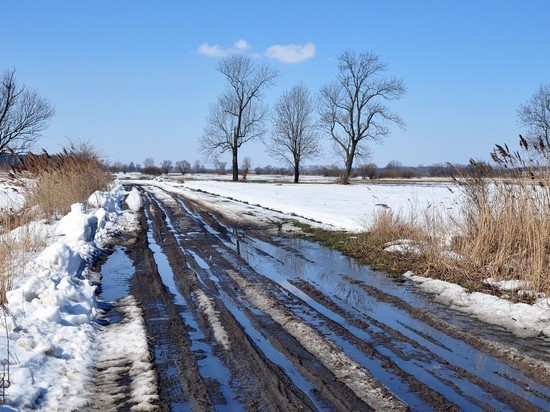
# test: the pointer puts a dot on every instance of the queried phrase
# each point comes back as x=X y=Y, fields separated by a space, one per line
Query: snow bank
x=51 y=329
x=521 y=318
x=133 y=200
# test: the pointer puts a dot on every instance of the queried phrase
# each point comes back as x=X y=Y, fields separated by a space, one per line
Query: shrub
x=152 y=170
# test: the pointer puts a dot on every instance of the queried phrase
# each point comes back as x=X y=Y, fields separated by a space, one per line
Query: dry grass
x=55 y=182
x=503 y=232
x=52 y=184
x=18 y=242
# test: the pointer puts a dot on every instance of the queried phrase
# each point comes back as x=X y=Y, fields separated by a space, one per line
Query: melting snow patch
x=522 y=319
x=507 y=284
x=403 y=246
x=50 y=329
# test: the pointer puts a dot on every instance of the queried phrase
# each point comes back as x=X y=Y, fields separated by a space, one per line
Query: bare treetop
x=535 y=115
x=239 y=113
x=245 y=78
x=354 y=107
x=23 y=115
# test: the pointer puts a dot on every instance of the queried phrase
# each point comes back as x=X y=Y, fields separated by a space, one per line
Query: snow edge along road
x=52 y=329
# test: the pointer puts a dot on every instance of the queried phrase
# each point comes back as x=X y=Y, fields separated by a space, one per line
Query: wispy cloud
x=213 y=51
x=218 y=51
x=290 y=53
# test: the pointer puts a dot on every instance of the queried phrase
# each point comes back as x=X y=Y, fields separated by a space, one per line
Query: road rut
x=240 y=319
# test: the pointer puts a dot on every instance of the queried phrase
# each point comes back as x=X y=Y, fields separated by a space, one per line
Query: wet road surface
x=239 y=319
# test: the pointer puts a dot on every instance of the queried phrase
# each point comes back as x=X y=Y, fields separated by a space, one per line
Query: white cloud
x=242 y=45
x=217 y=51
x=291 y=53
x=214 y=51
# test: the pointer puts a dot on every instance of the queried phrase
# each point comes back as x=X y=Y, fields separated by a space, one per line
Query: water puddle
x=282 y=264
x=259 y=339
x=116 y=273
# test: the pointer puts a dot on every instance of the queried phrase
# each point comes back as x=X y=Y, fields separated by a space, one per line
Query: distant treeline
x=393 y=169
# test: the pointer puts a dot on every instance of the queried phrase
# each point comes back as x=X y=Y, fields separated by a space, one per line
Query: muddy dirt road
x=242 y=319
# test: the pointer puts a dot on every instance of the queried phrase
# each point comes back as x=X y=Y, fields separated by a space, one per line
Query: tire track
x=290 y=337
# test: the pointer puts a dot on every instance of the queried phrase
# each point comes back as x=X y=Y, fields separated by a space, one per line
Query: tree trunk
x=235 y=165
x=349 y=164
x=296 y=172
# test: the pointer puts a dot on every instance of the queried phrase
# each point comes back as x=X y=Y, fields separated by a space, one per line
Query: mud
x=240 y=319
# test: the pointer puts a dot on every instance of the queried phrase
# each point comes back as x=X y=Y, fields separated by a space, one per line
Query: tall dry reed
x=55 y=182
x=505 y=231
x=52 y=183
x=502 y=231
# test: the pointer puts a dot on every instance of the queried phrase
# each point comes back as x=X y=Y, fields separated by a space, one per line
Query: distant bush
x=368 y=171
x=152 y=170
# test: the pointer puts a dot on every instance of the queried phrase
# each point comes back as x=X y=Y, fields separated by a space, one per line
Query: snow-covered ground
x=11 y=196
x=350 y=207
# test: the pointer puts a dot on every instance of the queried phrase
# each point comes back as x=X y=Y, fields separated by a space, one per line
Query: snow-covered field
x=55 y=341
x=350 y=207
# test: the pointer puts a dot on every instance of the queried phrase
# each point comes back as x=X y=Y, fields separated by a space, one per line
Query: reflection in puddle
x=424 y=352
x=116 y=271
x=292 y=260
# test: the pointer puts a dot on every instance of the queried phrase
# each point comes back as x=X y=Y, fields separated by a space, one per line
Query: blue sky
x=136 y=78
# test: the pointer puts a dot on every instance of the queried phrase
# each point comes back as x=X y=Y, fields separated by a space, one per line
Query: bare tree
x=23 y=114
x=294 y=136
x=183 y=166
x=353 y=108
x=166 y=166
x=535 y=115
x=368 y=170
x=149 y=162
x=238 y=115
x=245 y=166
x=198 y=167
x=219 y=166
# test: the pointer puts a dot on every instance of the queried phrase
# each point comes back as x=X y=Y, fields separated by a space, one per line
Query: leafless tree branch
x=352 y=109
x=239 y=114
x=23 y=115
